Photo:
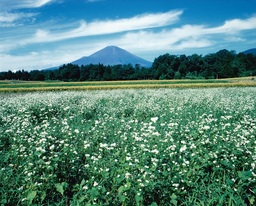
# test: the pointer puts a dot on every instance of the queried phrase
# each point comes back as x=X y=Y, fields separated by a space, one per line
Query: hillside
x=250 y=51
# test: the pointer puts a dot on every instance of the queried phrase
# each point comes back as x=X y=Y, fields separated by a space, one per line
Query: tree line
x=222 y=64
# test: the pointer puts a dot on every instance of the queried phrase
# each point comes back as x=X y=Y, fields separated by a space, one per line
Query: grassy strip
x=23 y=86
x=130 y=86
x=14 y=84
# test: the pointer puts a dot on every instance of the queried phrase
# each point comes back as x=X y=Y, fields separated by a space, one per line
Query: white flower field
x=129 y=147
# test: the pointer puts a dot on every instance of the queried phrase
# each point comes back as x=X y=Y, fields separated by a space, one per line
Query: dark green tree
x=37 y=75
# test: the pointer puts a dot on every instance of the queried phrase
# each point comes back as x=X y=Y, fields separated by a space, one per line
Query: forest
x=222 y=64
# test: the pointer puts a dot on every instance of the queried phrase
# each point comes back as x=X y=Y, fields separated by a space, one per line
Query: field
x=25 y=86
x=161 y=146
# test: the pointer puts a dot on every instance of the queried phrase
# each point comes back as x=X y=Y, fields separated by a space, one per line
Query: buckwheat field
x=129 y=147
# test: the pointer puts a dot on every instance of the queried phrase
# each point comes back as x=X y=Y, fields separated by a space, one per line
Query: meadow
x=161 y=146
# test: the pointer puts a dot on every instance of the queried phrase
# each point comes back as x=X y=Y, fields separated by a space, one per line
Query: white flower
x=192 y=146
x=113 y=145
x=175 y=185
x=128 y=158
x=155 y=151
x=95 y=184
x=104 y=145
x=206 y=127
x=85 y=187
x=154 y=119
x=87 y=145
x=51 y=147
x=183 y=148
x=154 y=159
x=127 y=175
x=66 y=108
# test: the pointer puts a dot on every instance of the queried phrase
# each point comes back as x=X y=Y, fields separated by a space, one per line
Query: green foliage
x=60 y=187
x=31 y=195
x=222 y=64
x=128 y=147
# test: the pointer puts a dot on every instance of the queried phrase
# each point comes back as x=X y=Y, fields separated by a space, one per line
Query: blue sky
x=37 y=34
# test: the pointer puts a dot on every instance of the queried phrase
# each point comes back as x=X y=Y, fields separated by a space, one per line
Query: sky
x=38 y=34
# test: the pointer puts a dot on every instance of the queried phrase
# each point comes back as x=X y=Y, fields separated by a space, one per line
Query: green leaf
x=122 y=198
x=120 y=190
x=173 y=199
x=128 y=185
x=94 y=192
x=61 y=187
x=252 y=200
x=31 y=195
x=3 y=201
x=43 y=196
x=244 y=174
x=81 y=199
x=82 y=184
x=120 y=179
x=174 y=202
x=138 y=199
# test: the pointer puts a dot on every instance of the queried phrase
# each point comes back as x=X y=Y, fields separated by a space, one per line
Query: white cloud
x=8 y=19
x=5 y=47
x=144 y=36
x=192 y=43
x=92 y=1
x=234 y=39
x=233 y=26
x=41 y=34
x=103 y=27
x=7 y=5
x=34 y=60
x=188 y=36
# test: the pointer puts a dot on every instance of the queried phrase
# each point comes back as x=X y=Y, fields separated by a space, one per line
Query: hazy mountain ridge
x=250 y=51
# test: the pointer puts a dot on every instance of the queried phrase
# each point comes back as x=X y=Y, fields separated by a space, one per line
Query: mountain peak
x=112 y=55
x=109 y=50
x=112 y=47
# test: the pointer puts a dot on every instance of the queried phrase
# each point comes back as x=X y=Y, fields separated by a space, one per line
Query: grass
x=129 y=147
x=24 y=86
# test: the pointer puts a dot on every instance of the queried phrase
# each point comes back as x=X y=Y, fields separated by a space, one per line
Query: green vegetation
x=24 y=86
x=129 y=147
x=223 y=64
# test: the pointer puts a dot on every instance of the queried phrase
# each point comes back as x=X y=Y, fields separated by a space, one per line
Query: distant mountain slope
x=112 y=55
x=250 y=51
x=51 y=68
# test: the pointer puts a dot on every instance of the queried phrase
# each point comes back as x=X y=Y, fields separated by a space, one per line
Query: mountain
x=250 y=51
x=112 y=55
x=51 y=68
